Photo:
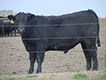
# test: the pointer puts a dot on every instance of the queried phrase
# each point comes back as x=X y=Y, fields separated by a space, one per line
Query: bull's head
x=21 y=20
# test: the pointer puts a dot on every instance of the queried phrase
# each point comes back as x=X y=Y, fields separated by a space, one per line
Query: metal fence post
x=105 y=56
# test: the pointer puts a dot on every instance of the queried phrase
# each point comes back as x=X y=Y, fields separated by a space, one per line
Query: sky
x=54 y=7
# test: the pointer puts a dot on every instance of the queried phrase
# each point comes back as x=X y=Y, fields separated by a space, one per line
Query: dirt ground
x=14 y=60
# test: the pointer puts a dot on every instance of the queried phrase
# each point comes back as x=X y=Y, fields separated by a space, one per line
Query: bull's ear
x=11 y=17
x=30 y=16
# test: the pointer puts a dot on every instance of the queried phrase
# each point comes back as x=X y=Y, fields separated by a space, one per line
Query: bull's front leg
x=40 y=58
x=32 y=58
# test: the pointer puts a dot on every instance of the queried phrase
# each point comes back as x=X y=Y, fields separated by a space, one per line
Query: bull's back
x=84 y=22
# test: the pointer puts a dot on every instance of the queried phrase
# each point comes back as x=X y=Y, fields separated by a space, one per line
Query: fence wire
x=59 y=38
x=55 y=38
x=78 y=24
x=65 y=51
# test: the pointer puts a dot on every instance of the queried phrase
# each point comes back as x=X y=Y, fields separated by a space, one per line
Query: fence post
x=105 y=57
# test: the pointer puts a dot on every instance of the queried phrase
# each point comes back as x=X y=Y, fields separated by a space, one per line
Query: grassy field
x=76 y=77
x=91 y=75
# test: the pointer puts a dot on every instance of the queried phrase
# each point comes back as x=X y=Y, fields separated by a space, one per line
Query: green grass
x=80 y=76
x=21 y=78
x=103 y=77
x=31 y=76
x=77 y=76
x=13 y=78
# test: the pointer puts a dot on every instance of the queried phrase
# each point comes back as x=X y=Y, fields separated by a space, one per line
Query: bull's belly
x=64 y=45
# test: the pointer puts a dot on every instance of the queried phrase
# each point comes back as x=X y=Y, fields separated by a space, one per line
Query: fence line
x=105 y=56
x=55 y=38
x=57 y=24
x=38 y=51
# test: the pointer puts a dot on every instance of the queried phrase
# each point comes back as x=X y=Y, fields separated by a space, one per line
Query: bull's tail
x=98 y=39
x=98 y=27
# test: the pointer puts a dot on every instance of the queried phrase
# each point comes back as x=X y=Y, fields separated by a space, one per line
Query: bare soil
x=14 y=60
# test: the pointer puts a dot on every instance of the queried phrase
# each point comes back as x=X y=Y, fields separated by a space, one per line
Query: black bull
x=42 y=33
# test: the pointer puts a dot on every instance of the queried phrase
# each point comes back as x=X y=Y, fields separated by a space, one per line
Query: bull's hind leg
x=32 y=58
x=87 y=56
x=94 y=57
x=90 y=51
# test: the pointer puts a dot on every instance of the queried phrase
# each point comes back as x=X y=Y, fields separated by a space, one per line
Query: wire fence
x=77 y=50
x=63 y=38
x=52 y=25
x=72 y=24
x=65 y=51
x=56 y=38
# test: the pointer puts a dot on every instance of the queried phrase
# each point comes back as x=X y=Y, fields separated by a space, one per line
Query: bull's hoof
x=88 y=69
x=95 y=69
x=37 y=72
x=30 y=72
